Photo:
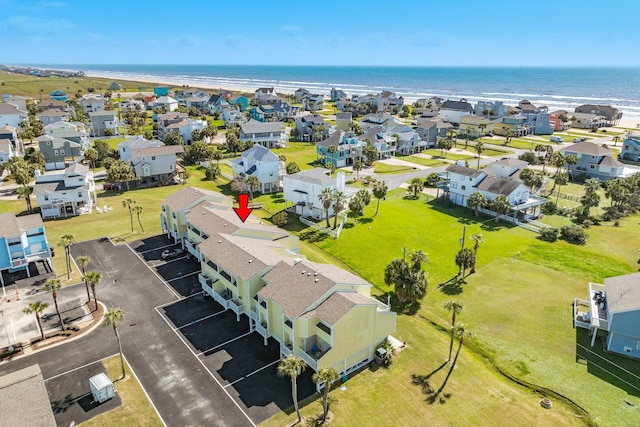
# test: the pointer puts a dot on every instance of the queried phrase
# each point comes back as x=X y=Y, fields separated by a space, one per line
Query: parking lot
x=235 y=358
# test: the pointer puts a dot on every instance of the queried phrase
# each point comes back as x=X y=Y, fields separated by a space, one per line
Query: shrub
x=549 y=208
x=549 y=234
x=280 y=219
x=574 y=234
x=529 y=157
x=432 y=179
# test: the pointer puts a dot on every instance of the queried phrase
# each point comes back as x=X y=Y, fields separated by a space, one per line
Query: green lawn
x=383 y=168
x=135 y=409
x=302 y=153
x=399 y=395
x=448 y=155
x=422 y=161
x=501 y=309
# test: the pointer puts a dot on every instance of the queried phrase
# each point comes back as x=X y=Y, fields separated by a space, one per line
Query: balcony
x=262 y=329
x=286 y=350
x=191 y=248
x=234 y=304
x=598 y=307
x=581 y=315
x=38 y=256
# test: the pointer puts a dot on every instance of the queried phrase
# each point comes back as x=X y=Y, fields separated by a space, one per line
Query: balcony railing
x=313 y=363
x=286 y=350
x=262 y=329
x=191 y=248
x=38 y=256
x=236 y=306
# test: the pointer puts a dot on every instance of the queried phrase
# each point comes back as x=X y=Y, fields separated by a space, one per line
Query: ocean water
x=557 y=88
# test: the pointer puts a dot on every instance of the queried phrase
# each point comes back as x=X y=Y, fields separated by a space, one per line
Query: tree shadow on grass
x=452 y=286
x=424 y=382
x=313 y=236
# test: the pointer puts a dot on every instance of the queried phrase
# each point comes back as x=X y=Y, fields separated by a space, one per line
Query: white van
x=555 y=139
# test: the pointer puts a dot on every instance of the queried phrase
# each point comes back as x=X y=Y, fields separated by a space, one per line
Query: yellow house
x=475 y=126
x=318 y=312
x=178 y=204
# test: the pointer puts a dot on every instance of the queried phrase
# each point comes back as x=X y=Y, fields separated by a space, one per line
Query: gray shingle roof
x=13 y=226
x=233 y=259
x=5 y=145
x=24 y=398
x=10 y=109
x=456 y=106
x=463 y=170
x=157 y=151
x=314 y=176
x=623 y=292
x=339 y=304
x=260 y=153
x=187 y=196
x=77 y=169
x=611 y=162
x=495 y=185
x=254 y=126
x=587 y=148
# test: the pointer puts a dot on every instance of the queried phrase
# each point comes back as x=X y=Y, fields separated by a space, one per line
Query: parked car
x=579 y=139
x=107 y=186
x=555 y=139
x=171 y=253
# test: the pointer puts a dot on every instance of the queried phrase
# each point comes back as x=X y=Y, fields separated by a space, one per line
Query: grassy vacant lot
x=523 y=288
x=436 y=153
x=399 y=395
x=422 y=161
x=383 y=168
x=302 y=153
x=135 y=409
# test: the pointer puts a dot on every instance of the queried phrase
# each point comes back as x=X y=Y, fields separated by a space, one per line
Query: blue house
x=595 y=161
x=631 y=148
x=264 y=113
x=240 y=100
x=348 y=148
x=161 y=91
x=615 y=310
x=58 y=95
x=22 y=241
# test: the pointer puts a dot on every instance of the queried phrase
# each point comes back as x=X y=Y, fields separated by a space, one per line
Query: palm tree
x=410 y=285
x=591 y=198
x=93 y=278
x=83 y=261
x=560 y=179
x=461 y=332
x=455 y=307
x=478 y=239
x=418 y=257
x=326 y=376
x=112 y=318
x=253 y=183
x=292 y=366
x=128 y=203
x=557 y=160
x=357 y=167
x=66 y=241
x=570 y=160
x=380 y=192
x=36 y=307
x=138 y=210
x=500 y=206
x=475 y=201
x=53 y=285
x=479 y=148
x=216 y=155
x=365 y=196
x=415 y=186
x=464 y=259
x=25 y=193
x=338 y=204
x=332 y=150
x=356 y=206
x=326 y=197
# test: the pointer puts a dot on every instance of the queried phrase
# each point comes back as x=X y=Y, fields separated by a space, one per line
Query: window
x=170 y=167
x=62 y=152
x=153 y=157
x=226 y=275
x=46 y=198
x=80 y=194
x=263 y=304
x=454 y=185
x=55 y=152
x=324 y=328
x=464 y=187
x=592 y=166
x=212 y=265
x=288 y=322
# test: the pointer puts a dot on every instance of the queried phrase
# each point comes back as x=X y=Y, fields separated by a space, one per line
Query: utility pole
x=6 y=331
x=464 y=229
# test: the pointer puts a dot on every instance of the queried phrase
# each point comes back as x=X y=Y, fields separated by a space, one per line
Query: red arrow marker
x=243 y=210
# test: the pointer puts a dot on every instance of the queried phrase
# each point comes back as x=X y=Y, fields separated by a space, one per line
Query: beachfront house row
x=184 y=94
x=92 y=102
x=312 y=128
x=301 y=191
x=498 y=178
x=631 y=148
x=317 y=312
x=300 y=94
x=595 y=161
x=313 y=102
x=613 y=313
x=348 y=148
x=336 y=94
x=538 y=118
x=264 y=93
x=611 y=114
x=70 y=192
x=23 y=240
x=514 y=125
x=452 y=111
x=258 y=161
x=269 y=135
x=10 y=115
x=587 y=120
x=103 y=123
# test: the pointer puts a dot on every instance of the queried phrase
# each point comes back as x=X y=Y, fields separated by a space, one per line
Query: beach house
x=23 y=240
x=166 y=103
x=152 y=160
x=301 y=191
x=103 y=123
x=68 y=193
x=258 y=161
x=336 y=94
x=270 y=135
x=92 y=102
x=475 y=126
x=613 y=313
x=54 y=115
x=185 y=128
x=347 y=148
x=595 y=161
x=317 y=312
x=10 y=115
x=240 y=102
x=452 y=111
x=312 y=128
x=7 y=150
x=610 y=114
x=490 y=109
x=167 y=119
x=587 y=120
x=430 y=129
x=631 y=148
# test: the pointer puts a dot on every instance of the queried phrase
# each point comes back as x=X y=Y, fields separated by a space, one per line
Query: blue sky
x=346 y=32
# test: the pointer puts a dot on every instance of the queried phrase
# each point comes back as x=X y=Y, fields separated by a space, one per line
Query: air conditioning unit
x=628 y=349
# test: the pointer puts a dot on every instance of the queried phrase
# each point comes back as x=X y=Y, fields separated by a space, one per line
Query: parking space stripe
x=183 y=276
x=177 y=295
x=144 y=391
x=179 y=335
x=182 y=299
x=79 y=367
x=157 y=249
x=252 y=373
x=193 y=322
x=224 y=343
